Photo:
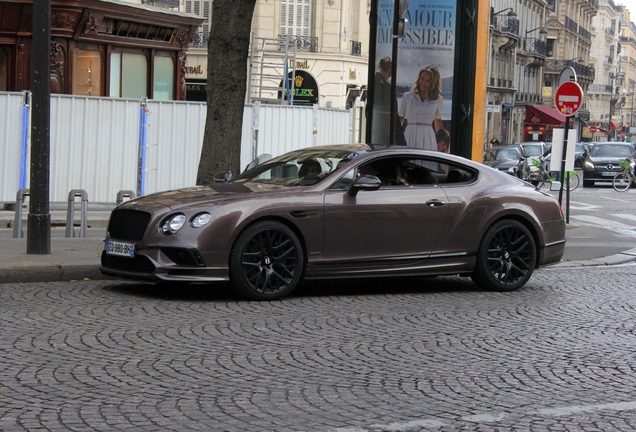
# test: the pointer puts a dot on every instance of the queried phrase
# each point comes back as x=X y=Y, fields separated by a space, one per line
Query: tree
x=228 y=48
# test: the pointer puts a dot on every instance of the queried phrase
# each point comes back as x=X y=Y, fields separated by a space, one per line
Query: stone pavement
x=79 y=258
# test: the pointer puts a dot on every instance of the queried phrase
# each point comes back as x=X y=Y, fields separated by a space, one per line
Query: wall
x=95 y=142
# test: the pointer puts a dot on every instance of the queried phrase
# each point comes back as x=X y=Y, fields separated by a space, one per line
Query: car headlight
x=200 y=219
x=589 y=165
x=172 y=224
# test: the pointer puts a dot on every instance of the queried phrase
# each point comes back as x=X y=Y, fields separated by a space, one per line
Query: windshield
x=533 y=150
x=298 y=168
x=611 y=150
x=501 y=154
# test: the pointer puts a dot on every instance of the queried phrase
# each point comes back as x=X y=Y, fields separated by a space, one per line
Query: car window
x=533 y=150
x=610 y=150
x=507 y=154
x=302 y=168
x=400 y=172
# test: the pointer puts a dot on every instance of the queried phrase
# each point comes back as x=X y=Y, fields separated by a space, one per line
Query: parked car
x=534 y=149
x=368 y=212
x=510 y=159
x=579 y=153
x=601 y=162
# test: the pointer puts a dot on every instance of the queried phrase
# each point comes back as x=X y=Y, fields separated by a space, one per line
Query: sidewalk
x=79 y=258
x=70 y=258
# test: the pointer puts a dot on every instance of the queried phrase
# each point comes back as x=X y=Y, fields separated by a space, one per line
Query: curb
x=51 y=273
x=626 y=257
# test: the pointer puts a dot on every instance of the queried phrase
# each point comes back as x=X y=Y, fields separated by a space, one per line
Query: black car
x=580 y=150
x=510 y=159
x=601 y=162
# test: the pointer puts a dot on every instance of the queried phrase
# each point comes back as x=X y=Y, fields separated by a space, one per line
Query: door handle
x=435 y=203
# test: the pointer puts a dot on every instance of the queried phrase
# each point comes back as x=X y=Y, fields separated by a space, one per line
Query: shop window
x=128 y=75
x=87 y=73
x=4 y=66
x=163 y=79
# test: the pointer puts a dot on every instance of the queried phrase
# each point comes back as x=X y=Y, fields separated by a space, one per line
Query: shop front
x=540 y=120
x=100 y=48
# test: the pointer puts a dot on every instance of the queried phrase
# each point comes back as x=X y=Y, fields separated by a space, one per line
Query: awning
x=614 y=125
x=538 y=114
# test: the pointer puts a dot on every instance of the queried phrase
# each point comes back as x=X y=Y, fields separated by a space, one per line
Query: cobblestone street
x=401 y=355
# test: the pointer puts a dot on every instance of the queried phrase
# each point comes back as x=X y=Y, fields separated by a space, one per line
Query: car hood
x=502 y=164
x=185 y=197
x=604 y=160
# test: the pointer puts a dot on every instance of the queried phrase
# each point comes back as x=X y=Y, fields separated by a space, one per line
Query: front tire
x=506 y=258
x=266 y=261
x=621 y=182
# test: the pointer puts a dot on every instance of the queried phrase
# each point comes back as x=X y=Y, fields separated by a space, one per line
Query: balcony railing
x=168 y=3
x=599 y=88
x=300 y=43
x=200 y=40
x=585 y=34
x=505 y=24
x=556 y=66
x=571 y=25
x=533 y=45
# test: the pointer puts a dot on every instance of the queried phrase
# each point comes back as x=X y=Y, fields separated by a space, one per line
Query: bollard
x=70 y=211
x=124 y=194
x=17 y=222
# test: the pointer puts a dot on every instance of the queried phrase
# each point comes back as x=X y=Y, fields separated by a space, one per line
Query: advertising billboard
x=429 y=66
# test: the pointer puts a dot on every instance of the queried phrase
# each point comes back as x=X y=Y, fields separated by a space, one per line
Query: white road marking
x=601 y=222
x=494 y=417
x=625 y=216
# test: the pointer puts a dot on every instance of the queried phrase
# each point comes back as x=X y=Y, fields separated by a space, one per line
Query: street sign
x=568 y=98
x=592 y=129
x=567 y=74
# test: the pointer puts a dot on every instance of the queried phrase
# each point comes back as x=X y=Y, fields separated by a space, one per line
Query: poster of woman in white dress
x=424 y=68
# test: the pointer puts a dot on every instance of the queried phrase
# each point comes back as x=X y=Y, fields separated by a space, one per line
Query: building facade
x=321 y=44
x=531 y=42
x=100 y=48
x=518 y=51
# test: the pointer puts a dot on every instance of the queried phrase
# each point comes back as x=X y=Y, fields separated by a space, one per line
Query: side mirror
x=364 y=183
x=224 y=176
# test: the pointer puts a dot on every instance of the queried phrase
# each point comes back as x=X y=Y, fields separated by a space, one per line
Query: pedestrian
x=494 y=142
x=382 y=108
x=443 y=140
x=421 y=110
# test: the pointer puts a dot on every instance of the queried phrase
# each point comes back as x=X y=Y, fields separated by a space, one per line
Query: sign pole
x=39 y=219
x=569 y=98
x=565 y=175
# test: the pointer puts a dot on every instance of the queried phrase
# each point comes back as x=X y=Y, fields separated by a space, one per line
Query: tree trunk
x=228 y=47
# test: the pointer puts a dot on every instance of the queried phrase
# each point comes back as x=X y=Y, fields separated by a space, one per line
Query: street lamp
x=542 y=31
x=511 y=14
x=612 y=76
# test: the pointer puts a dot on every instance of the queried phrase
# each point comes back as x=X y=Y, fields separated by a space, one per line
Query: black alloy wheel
x=507 y=257
x=266 y=262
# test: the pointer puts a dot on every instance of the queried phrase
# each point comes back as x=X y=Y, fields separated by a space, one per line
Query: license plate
x=120 y=248
x=608 y=174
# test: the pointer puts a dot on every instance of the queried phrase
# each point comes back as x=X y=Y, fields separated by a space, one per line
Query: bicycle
x=625 y=178
x=541 y=178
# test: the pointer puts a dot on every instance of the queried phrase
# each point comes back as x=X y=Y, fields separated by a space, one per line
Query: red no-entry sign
x=592 y=129
x=569 y=97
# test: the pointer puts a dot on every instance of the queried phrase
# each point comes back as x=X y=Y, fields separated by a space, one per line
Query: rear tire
x=573 y=180
x=266 y=261
x=506 y=258
x=621 y=182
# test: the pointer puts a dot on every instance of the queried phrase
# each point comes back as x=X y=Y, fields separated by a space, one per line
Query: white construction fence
x=105 y=145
